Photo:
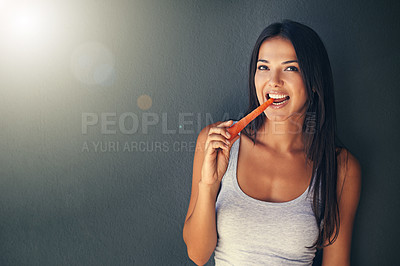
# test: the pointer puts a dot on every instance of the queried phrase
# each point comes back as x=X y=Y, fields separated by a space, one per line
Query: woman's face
x=278 y=76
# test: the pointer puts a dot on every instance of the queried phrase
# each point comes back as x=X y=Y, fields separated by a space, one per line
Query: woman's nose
x=275 y=79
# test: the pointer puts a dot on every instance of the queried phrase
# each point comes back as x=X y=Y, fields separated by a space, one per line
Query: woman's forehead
x=277 y=48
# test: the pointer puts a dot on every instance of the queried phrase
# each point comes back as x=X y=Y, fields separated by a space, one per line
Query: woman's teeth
x=280 y=103
x=279 y=99
x=277 y=96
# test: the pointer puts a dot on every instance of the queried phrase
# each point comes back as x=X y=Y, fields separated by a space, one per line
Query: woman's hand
x=217 y=148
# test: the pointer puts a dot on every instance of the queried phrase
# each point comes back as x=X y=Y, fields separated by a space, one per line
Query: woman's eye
x=262 y=67
x=292 y=68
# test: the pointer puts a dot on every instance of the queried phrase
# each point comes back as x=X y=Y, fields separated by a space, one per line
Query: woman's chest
x=270 y=177
x=275 y=227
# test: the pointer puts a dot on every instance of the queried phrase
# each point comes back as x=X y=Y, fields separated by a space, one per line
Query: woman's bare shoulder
x=347 y=161
x=349 y=171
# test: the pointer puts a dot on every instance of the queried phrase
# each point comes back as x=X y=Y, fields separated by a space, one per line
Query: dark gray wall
x=62 y=203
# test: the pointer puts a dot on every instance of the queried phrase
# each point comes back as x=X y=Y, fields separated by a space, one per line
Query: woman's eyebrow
x=283 y=63
x=290 y=61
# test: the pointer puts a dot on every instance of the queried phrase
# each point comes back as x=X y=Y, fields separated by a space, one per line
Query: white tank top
x=255 y=232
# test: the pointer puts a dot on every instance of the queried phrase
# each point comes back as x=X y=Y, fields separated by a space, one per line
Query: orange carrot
x=242 y=123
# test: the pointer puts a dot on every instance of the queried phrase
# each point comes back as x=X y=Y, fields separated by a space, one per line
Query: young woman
x=284 y=187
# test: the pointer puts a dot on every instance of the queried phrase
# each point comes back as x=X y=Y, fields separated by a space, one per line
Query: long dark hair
x=319 y=127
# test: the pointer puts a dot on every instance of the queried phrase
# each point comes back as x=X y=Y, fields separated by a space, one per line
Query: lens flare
x=144 y=102
x=28 y=23
x=93 y=63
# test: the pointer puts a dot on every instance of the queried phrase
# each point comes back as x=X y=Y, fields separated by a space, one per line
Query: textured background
x=64 y=202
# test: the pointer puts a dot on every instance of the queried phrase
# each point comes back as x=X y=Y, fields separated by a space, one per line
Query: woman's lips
x=279 y=103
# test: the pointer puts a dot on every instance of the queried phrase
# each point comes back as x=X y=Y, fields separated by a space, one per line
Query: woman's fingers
x=218 y=144
x=217 y=141
x=225 y=124
x=219 y=136
x=221 y=129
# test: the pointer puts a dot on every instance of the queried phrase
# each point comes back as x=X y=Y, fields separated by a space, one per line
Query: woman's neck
x=282 y=136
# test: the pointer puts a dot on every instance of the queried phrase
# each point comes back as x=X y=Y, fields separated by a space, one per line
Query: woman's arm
x=349 y=188
x=200 y=231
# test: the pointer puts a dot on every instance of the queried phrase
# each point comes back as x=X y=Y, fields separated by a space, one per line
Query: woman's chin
x=276 y=117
